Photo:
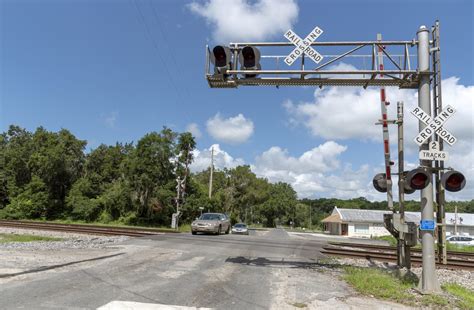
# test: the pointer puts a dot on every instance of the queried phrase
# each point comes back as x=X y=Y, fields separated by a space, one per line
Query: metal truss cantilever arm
x=388 y=56
x=340 y=56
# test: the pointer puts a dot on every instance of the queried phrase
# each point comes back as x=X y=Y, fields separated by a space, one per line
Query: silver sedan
x=240 y=228
x=215 y=223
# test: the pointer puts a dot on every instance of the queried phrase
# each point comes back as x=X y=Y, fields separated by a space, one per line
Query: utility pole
x=212 y=171
x=429 y=280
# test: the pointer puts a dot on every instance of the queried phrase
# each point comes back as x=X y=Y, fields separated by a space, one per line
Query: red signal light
x=221 y=58
x=453 y=181
x=249 y=59
x=418 y=178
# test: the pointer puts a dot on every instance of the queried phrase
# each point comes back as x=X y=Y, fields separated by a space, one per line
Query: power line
x=142 y=19
x=165 y=42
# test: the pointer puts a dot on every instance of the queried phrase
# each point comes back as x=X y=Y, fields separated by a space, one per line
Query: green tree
x=57 y=159
x=81 y=201
x=149 y=167
x=32 y=203
x=279 y=208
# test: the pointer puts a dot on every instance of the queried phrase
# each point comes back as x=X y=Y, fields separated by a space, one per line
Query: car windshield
x=209 y=217
x=240 y=226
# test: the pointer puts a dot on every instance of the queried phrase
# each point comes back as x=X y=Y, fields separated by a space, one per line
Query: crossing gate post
x=429 y=281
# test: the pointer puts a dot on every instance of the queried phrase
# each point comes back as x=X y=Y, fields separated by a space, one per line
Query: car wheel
x=228 y=230
x=193 y=232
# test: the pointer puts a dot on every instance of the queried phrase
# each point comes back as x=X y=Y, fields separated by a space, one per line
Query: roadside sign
x=174 y=219
x=434 y=126
x=303 y=46
x=427 y=225
x=434 y=153
x=174 y=216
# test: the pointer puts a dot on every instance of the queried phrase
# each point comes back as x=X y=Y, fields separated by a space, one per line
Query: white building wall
x=367 y=230
x=350 y=230
x=379 y=230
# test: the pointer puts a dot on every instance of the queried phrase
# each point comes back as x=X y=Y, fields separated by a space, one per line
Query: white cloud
x=111 y=119
x=316 y=172
x=319 y=159
x=222 y=159
x=346 y=112
x=234 y=20
x=232 y=130
x=193 y=128
x=350 y=113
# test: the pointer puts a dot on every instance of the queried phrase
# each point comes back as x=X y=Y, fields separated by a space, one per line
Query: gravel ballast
x=69 y=240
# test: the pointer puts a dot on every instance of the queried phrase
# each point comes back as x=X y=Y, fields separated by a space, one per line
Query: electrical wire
x=165 y=42
x=149 y=34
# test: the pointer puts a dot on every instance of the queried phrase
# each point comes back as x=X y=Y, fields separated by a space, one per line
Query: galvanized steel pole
x=429 y=280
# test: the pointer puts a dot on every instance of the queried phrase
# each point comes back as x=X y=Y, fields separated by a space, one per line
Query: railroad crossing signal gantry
x=227 y=74
x=396 y=73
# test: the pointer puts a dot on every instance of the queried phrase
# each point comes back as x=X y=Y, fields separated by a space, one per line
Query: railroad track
x=456 y=260
x=387 y=247
x=82 y=229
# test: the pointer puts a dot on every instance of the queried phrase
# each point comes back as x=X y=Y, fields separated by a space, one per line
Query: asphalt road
x=266 y=270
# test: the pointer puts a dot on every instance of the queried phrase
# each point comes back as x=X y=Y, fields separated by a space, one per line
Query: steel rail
x=387 y=247
x=392 y=257
x=77 y=228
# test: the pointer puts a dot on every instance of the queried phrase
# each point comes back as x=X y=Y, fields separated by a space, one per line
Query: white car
x=240 y=228
x=461 y=240
x=215 y=223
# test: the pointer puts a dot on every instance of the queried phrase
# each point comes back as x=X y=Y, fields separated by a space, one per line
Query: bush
x=116 y=200
x=32 y=203
x=80 y=203
x=86 y=209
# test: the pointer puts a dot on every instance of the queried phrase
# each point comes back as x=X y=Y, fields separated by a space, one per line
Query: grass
x=465 y=296
x=460 y=248
x=299 y=305
x=390 y=239
x=450 y=247
x=6 y=238
x=387 y=285
x=380 y=284
x=185 y=228
x=434 y=301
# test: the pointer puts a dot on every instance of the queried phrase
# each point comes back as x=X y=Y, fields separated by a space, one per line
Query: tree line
x=48 y=175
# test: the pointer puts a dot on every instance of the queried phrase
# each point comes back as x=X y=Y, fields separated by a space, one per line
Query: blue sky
x=114 y=70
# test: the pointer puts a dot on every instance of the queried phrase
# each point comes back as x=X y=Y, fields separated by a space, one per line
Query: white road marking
x=132 y=305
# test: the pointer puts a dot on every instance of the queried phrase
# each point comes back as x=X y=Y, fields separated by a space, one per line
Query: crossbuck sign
x=303 y=46
x=434 y=126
